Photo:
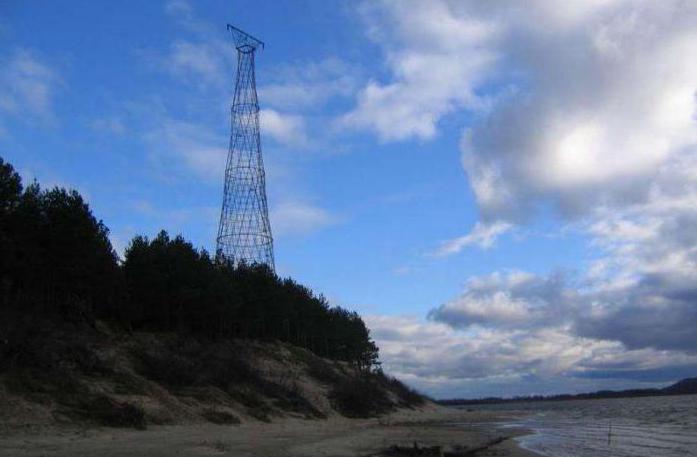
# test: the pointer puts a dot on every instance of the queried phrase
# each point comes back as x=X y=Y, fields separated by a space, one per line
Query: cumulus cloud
x=287 y=129
x=299 y=99
x=437 y=57
x=515 y=299
x=588 y=110
x=626 y=314
x=576 y=107
x=541 y=312
x=483 y=361
x=606 y=99
x=648 y=266
x=27 y=87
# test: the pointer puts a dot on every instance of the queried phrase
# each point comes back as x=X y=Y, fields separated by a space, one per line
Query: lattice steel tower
x=244 y=234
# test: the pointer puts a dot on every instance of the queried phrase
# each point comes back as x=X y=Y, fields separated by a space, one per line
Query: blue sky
x=497 y=190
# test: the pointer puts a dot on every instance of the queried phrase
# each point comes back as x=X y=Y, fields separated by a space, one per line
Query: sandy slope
x=289 y=437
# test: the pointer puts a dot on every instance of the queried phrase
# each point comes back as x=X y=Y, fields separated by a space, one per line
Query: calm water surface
x=622 y=427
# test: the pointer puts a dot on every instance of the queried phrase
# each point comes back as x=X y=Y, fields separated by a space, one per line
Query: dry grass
x=105 y=376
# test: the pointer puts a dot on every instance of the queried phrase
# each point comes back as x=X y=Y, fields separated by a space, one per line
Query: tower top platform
x=244 y=41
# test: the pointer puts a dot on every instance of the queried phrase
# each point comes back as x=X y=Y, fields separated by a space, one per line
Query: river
x=621 y=427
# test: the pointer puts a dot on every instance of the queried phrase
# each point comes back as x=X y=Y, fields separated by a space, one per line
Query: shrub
x=254 y=405
x=317 y=367
x=360 y=396
x=107 y=412
x=289 y=398
x=168 y=368
x=225 y=364
x=407 y=396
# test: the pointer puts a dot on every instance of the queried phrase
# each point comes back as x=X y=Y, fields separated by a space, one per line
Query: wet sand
x=336 y=437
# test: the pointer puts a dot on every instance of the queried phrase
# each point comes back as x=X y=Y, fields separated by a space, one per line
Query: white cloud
x=201 y=151
x=588 y=110
x=183 y=13
x=293 y=96
x=287 y=129
x=448 y=362
x=638 y=297
x=201 y=63
x=577 y=108
x=436 y=57
x=544 y=311
x=205 y=60
x=308 y=85
x=27 y=87
x=481 y=235
x=178 y=8
x=515 y=300
x=296 y=218
x=605 y=103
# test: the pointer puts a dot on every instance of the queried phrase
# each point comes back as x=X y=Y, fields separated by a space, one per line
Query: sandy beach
x=289 y=437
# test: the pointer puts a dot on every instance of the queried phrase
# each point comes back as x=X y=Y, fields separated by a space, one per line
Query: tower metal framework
x=244 y=233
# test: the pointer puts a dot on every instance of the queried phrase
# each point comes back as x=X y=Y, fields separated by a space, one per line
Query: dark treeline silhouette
x=686 y=386
x=56 y=262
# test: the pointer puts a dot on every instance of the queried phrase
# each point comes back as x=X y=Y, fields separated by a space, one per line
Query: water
x=622 y=427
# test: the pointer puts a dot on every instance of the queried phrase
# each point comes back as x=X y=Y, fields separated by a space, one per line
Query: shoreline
x=335 y=437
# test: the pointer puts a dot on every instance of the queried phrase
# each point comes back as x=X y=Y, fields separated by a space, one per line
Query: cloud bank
x=588 y=111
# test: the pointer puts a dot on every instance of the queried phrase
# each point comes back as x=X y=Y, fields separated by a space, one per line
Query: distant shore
x=686 y=386
x=337 y=437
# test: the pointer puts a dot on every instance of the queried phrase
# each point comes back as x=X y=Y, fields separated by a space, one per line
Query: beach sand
x=336 y=437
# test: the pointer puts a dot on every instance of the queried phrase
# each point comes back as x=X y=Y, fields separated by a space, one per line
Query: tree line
x=56 y=261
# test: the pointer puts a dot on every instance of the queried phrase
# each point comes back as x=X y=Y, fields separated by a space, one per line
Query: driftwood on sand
x=436 y=451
